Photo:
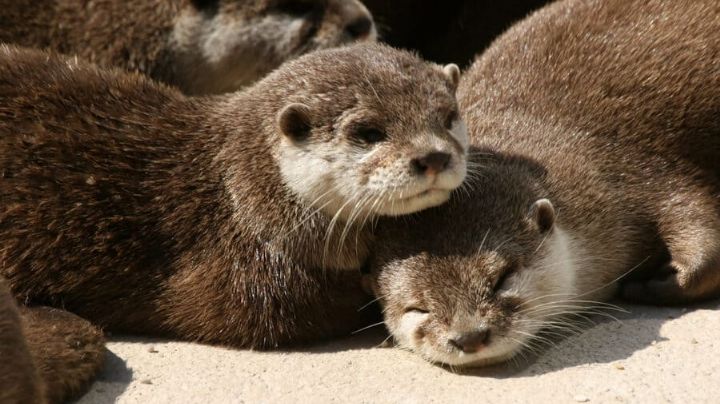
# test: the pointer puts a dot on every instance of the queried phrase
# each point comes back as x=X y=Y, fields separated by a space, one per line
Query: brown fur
x=608 y=108
x=48 y=355
x=142 y=35
x=145 y=211
x=19 y=380
x=447 y=31
x=67 y=350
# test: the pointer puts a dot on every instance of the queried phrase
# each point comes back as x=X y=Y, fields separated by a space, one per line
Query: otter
x=201 y=46
x=49 y=355
x=240 y=220
x=19 y=380
x=593 y=171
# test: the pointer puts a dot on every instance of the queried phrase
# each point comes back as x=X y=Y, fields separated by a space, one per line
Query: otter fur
x=202 y=47
x=240 y=219
x=595 y=142
x=19 y=380
x=49 y=355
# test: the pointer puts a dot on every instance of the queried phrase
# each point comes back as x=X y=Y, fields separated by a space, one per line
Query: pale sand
x=652 y=355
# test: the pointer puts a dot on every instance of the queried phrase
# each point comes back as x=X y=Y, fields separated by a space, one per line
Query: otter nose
x=472 y=341
x=432 y=163
x=360 y=27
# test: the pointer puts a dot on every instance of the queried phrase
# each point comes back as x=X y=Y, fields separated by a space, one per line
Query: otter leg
x=19 y=380
x=67 y=350
x=693 y=272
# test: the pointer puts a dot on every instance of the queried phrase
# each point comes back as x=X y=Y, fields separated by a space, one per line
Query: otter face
x=472 y=282
x=380 y=136
x=224 y=45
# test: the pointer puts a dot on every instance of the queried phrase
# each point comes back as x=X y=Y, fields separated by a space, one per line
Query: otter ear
x=293 y=121
x=452 y=71
x=542 y=213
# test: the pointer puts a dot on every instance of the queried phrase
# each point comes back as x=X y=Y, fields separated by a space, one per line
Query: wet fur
x=201 y=47
x=610 y=110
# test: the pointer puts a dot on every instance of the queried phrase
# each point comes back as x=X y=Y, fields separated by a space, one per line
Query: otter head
x=471 y=283
x=369 y=130
x=223 y=45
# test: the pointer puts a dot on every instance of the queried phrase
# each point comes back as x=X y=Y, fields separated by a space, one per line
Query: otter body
x=238 y=219
x=200 y=46
x=595 y=135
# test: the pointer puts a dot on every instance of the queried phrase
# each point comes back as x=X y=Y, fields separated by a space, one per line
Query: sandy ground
x=651 y=355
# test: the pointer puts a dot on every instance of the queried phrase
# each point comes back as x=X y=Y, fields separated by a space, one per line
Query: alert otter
x=201 y=46
x=595 y=126
x=238 y=219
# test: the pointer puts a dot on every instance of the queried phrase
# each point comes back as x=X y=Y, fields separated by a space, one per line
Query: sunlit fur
x=576 y=188
x=343 y=176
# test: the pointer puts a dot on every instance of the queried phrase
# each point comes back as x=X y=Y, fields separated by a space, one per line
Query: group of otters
x=576 y=158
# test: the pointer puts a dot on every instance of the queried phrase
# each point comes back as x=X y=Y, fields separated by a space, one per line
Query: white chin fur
x=425 y=200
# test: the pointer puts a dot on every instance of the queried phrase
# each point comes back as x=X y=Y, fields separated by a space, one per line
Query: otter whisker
x=331 y=227
x=357 y=208
x=616 y=279
x=368 y=304
x=367 y=327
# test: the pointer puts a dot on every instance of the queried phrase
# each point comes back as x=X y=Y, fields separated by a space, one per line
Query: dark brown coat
x=19 y=380
x=48 y=355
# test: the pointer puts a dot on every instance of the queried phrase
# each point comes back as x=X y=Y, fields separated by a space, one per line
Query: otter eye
x=369 y=135
x=450 y=119
x=414 y=309
x=500 y=281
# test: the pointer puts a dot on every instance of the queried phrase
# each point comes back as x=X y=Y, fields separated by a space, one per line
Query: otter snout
x=360 y=28
x=471 y=341
x=432 y=163
x=359 y=23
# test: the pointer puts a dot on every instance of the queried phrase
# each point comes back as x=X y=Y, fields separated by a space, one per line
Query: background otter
x=237 y=219
x=595 y=126
x=201 y=46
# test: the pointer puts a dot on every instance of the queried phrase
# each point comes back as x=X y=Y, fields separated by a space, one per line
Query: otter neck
x=257 y=201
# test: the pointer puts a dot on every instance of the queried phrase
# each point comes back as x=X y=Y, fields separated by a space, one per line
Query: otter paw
x=666 y=286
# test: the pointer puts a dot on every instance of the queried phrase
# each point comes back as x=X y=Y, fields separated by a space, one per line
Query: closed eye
x=414 y=309
x=368 y=135
x=500 y=281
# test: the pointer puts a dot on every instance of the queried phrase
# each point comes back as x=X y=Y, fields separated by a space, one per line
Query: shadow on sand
x=112 y=381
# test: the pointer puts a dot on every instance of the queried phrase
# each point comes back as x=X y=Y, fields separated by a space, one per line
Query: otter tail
x=46 y=354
